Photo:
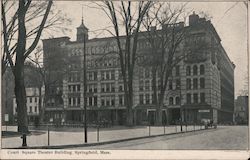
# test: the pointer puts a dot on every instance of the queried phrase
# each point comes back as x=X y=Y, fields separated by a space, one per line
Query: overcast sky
x=231 y=26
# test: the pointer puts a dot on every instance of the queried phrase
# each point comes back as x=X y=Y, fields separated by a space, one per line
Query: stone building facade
x=201 y=85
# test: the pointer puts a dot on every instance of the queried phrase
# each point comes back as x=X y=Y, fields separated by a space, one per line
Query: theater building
x=201 y=85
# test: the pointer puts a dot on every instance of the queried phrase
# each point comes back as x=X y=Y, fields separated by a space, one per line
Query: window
x=177 y=100
x=90 y=101
x=147 y=98
x=30 y=99
x=95 y=88
x=102 y=75
x=188 y=98
x=120 y=100
x=177 y=70
x=107 y=101
x=30 y=109
x=147 y=73
x=120 y=87
x=202 y=82
x=90 y=76
x=103 y=102
x=202 y=97
x=35 y=109
x=74 y=101
x=103 y=87
x=195 y=81
x=171 y=100
x=178 y=84
x=141 y=85
x=112 y=74
x=120 y=75
x=112 y=101
x=188 y=85
x=147 y=85
x=170 y=85
x=69 y=101
x=107 y=87
x=195 y=98
x=188 y=71
x=141 y=98
x=89 y=88
x=78 y=87
x=95 y=101
x=78 y=100
x=95 y=75
x=107 y=75
x=195 y=70
x=35 y=99
x=112 y=87
x=202 y=69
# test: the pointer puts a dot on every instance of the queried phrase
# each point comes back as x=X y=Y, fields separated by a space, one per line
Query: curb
x=105 y=142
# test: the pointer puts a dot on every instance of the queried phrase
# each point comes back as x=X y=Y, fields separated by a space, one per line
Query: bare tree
x=129 y=15
x=16 y=38
x=33 y=17
x=165 y=34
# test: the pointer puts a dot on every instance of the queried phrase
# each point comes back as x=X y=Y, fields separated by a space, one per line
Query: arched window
x=202 y=69
x=177 y=100
x=195 y=70
x=188 y=71
x=171 y=100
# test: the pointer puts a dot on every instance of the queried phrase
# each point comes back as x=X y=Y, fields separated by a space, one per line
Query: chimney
x=193 y=19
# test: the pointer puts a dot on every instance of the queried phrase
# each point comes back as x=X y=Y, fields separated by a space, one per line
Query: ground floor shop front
x=110 y=116
x=141 y=115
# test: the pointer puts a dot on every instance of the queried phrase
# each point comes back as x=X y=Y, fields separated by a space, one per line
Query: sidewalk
x=76 y=136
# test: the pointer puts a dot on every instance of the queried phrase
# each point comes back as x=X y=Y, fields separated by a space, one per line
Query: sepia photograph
x=124 y=75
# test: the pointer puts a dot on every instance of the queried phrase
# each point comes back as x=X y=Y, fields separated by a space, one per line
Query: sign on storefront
x=204 y=110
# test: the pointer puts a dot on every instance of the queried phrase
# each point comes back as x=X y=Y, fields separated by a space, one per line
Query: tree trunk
x=22 y=119
x=159 y=114
x=20 y=93
x=129 y=106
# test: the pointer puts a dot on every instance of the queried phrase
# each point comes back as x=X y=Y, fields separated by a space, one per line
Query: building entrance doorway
x=151 y=117
x=175 y=115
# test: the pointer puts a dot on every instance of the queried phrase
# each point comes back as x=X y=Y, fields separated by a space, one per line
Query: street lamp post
x=85 y=90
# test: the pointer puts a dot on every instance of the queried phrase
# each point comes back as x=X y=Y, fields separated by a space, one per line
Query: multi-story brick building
x=201 y=85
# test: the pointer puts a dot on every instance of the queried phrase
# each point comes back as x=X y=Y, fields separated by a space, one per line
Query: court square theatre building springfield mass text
x=200 y=87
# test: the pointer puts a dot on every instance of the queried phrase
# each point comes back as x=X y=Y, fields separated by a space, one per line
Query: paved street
x=224 y=137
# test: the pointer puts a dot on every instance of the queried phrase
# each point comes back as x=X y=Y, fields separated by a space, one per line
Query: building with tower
x=201 y=85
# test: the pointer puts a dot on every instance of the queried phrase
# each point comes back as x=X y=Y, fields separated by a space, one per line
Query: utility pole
x=180 y=105
x=85 y=90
